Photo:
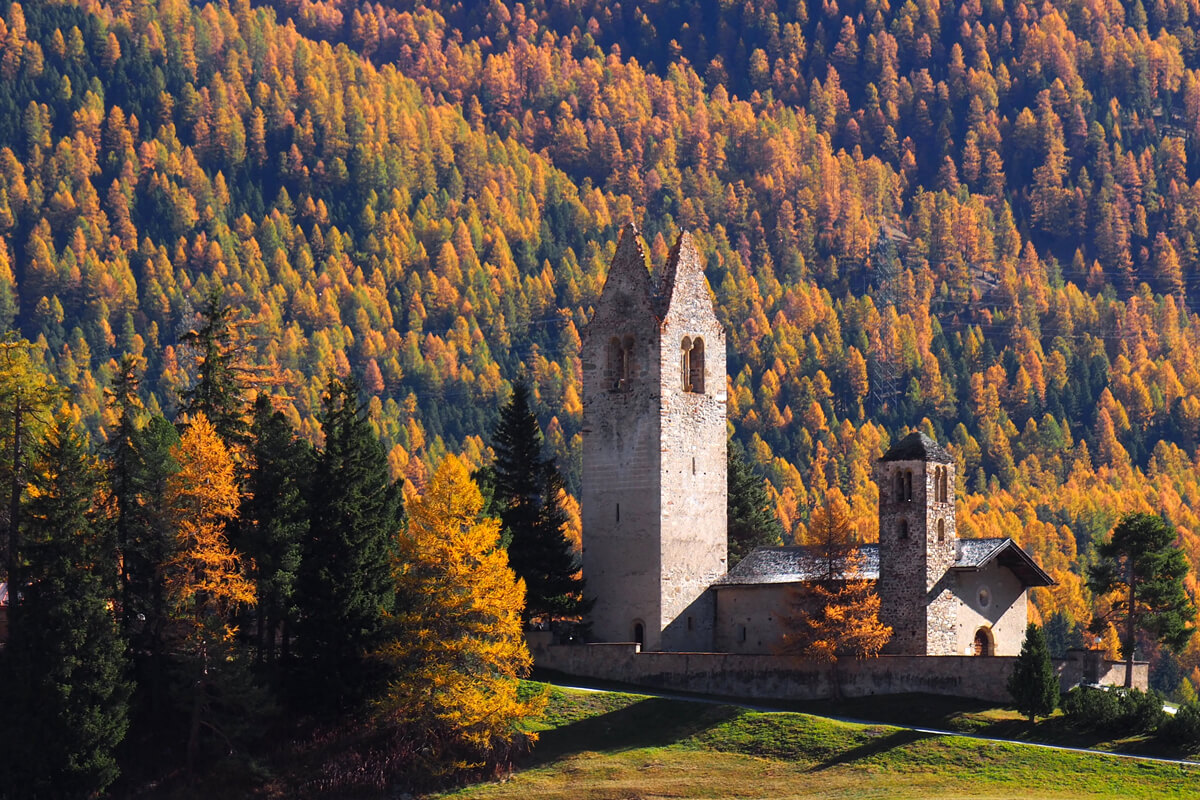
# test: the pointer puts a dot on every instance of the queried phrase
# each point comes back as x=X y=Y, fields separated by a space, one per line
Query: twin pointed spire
x=683 y=273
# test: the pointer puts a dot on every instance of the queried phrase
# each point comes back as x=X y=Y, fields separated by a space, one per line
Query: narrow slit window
x=618 y=512
x=941 y=530
x=685 y=364
x=903 y=529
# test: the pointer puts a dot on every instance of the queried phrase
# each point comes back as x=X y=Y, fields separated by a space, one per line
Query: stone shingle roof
x=917 y=447
x=766 y=565
x=975 y=554
x=775 y=565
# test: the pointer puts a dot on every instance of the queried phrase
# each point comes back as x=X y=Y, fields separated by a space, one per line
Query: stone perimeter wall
x=764 y=677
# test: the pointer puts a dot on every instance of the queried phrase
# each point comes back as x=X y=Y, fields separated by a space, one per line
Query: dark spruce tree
x=346 y=586
x=1033 y=683
x=275 y=520
x=526 y=495
x=751 y=520
x=63 y=685
x=218 y=391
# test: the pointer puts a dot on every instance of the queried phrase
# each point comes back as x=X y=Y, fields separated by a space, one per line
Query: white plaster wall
x=1006 y=614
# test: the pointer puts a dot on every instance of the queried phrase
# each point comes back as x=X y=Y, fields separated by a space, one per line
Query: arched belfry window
x=941 y=485
x=620 y=363
x=691 y=364
x=899 y=487
x=908 y=486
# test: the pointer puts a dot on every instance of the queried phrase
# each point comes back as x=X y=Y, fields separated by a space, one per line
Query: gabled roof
x=772 y=565
x=778 y=565
x=917 y=447
x=976 y=554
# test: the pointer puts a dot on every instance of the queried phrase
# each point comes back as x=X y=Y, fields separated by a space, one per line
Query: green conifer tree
x=527 y=491
x=1033 y=683
x=218 y=392
x=275 y=517
x=346 y=586
x=751 y=520
x=1143 y=570
x=63 y=686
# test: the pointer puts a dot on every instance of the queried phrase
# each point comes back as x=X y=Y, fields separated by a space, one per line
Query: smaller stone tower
x=918 y=544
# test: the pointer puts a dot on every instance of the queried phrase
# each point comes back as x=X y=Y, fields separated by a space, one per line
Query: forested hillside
x=980 y=219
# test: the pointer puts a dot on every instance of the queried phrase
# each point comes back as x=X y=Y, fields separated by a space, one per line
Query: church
x=654 y=499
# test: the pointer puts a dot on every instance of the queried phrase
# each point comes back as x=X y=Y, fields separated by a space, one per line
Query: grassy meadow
x=614 y=745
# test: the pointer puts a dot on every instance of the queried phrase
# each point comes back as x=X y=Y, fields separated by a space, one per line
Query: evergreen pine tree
x=346 y=586
x=275 y=516
x=527 y=496
x=1033 y=683
x=751 y=520
x=218 y=391
x=63 y=690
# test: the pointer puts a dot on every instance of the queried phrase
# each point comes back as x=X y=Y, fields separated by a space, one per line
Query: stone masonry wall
x=692 y=451
x=902 y=574
x=621 y=455
x=765 y=677
x=941 y=616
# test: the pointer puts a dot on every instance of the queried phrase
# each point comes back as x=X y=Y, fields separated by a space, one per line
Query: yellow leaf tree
x=205 y=577
x=837 y=614
x=458 y=651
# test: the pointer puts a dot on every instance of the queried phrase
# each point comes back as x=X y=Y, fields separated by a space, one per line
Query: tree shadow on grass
x=653 y=722
x=874 y=747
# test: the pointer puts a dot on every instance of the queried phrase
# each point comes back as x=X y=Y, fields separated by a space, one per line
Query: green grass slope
x=611 y=745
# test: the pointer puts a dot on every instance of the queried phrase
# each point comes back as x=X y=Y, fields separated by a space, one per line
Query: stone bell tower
x=654 y=487
x=918 y=544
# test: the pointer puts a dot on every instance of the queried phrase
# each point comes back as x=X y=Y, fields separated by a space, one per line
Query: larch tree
x=1141 y=571
x=26 y=396
x=837 y=613
x=752 y=521
x=63 y=685
x=206 y=578
x=1033 y=683
x=456 y=653
x=527 y=495
x=831 y=537
x=346 y=587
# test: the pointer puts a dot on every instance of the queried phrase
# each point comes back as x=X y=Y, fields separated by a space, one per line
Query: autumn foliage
x=457 y=649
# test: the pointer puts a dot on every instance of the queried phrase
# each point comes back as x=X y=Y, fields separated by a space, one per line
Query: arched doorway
x=983 y=643
x=639 y=633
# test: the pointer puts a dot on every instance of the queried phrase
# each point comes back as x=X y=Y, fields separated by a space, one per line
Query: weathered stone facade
x=654 y=497
x=917 y=547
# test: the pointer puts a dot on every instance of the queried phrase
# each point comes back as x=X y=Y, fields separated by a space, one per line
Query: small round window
x=985 y=597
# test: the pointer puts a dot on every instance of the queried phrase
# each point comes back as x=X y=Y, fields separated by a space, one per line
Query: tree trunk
x=835 y=686
x=193 y=745
x=14 y=505
x=1129 y=633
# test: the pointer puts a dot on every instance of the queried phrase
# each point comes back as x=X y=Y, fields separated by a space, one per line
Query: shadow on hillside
x=652 y=722
x=874 y=747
